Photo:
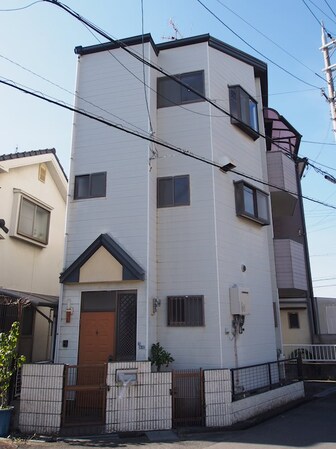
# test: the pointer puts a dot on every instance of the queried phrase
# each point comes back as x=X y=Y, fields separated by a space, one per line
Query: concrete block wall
x=220 y=411
x=254 y=405
x=218 y=398
x=147 y=405
x=41 y=399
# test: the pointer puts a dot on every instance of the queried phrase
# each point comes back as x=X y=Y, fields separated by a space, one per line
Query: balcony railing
x=311 y=353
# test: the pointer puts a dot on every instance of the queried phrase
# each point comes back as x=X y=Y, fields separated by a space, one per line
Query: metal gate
x=188 y=398
x=84 y=397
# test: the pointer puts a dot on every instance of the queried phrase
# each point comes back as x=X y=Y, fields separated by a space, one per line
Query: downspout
x=314 y=326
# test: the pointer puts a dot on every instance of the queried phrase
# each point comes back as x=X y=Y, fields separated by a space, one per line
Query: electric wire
x=257 y=51
x=273 y=42
x=134 y=54
x=21 y=8
x=179 y=150
x=330 y=7
x=321 y=10
x=311 y=12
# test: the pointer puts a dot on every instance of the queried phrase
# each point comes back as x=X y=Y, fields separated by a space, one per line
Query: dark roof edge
x=22 y=154
x=114 y=249
x=129 y=41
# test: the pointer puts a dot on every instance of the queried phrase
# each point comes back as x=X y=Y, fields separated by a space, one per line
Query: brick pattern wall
x=41 y=399
x=144 y=406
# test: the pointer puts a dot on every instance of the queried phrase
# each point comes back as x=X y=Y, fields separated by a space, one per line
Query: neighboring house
x=285 y=169
x=161 y=246
x=326 y=310
x=33 y=190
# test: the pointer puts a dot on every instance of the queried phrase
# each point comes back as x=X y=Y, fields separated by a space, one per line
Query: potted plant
x=159 y=356
x=10 y=361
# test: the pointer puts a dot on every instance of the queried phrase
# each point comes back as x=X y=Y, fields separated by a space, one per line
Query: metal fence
x=256 y=379
x=311 y=353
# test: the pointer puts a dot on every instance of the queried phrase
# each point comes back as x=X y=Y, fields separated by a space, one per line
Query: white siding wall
x=127 y=212
x=240 y=241
x=186 y=238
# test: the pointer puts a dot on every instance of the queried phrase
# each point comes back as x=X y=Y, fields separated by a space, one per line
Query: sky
x=37 y=51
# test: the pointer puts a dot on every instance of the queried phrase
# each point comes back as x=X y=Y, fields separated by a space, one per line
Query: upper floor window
x=90 y=186
x=186 y=310
x=33 y=221
x=171 y=93
x=244 y=110
x=293 y=320
x=252 y=203
x=173 y=191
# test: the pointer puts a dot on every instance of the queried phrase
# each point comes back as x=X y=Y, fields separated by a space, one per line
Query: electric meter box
x=239 y=300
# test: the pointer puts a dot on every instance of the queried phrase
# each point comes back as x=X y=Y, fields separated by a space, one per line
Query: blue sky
x=42 y=37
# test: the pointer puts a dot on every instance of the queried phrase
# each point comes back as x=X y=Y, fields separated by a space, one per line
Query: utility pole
x=329 y=44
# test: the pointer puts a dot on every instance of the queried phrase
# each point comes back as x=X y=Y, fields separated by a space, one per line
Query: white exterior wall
x=127 y=213
x=25 y=266
x=187 y=250
x=186 y=238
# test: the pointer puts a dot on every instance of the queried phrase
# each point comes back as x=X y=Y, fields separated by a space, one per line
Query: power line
x=271 y=40
x=253 y=48
x=330 y=8
x=23 y=7
x=321 y=10
x=311 y=12
x=154 y=140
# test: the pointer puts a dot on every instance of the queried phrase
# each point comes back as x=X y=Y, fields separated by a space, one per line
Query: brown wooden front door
x=97 y=337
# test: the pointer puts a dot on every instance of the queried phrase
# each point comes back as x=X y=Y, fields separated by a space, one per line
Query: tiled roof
x=22 y=154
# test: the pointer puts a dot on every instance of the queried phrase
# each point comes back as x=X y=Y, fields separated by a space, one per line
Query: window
x=185 y=311
x=90 y=186
x=33 y=221
x=173 y=191
x=293 y=320
x=171 y=93
x=251 y=203
x=244 y=111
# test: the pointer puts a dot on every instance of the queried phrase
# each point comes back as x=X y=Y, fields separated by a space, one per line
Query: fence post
x=269 y=375
x=300 y=366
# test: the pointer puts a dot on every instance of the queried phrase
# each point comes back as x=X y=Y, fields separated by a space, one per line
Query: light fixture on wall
x=68 y=312
x=156 y=304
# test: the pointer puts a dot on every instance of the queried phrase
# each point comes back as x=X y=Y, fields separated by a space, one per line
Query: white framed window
x=252 y=203
x=244 y=110
x=30 y=219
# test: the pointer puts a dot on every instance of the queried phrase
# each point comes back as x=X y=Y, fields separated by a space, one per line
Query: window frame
x=184 y=303
x=240 y=200
x=160 y=203
x=90 y=186
x=178 y=90
x=293 y=324
x=31 y=236
x=238 y=113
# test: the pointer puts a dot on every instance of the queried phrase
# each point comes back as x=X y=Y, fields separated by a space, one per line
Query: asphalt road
x=310 y=425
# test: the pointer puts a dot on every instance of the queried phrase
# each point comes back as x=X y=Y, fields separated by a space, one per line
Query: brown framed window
x=244 y=110
x=252 y=203
x=171 y=93
x=92 y=185
x=173 y=191
x=186 y=310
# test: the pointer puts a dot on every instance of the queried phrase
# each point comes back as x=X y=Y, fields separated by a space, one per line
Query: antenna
x=328 y=69
x=176 y=30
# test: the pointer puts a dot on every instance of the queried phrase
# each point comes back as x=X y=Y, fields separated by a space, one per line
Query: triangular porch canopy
x=103 y=261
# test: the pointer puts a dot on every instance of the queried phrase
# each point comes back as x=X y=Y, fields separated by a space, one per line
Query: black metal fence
x=256 y=379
